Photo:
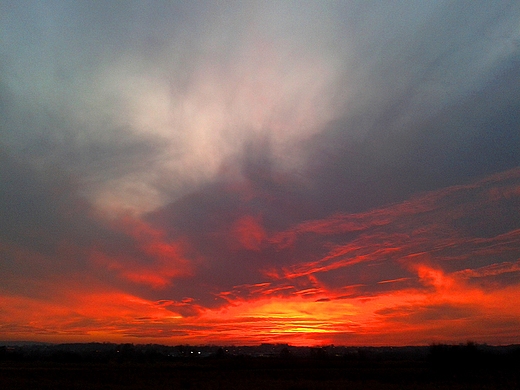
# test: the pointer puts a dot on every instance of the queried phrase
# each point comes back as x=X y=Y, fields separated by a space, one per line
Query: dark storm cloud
x=477 y=136
x=444 y=108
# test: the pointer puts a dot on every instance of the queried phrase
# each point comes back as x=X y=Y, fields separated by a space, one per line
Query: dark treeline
x=440 y=356
x=473 y=360
x=273 y=366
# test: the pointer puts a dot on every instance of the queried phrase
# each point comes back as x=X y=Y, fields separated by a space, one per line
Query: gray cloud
x=146 y=102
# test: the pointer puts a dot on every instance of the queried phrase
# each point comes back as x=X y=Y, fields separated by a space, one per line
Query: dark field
x=439 y=368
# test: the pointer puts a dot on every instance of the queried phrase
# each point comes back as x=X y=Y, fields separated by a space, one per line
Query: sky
x=246 y=172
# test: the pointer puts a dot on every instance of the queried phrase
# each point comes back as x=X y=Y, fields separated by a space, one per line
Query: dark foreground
x=439 y=367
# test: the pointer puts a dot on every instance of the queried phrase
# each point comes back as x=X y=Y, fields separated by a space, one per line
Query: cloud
x=339 y=169
x=145 y=112
x=349 y=255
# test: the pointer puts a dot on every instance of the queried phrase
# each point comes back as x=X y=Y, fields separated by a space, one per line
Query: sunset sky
x=243 y=172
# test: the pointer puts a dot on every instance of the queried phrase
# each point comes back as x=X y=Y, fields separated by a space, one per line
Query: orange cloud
x=444 y=312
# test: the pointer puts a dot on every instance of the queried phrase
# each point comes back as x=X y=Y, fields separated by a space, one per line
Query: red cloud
x=155 y=262
x=404 y=274
x=249 y=232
